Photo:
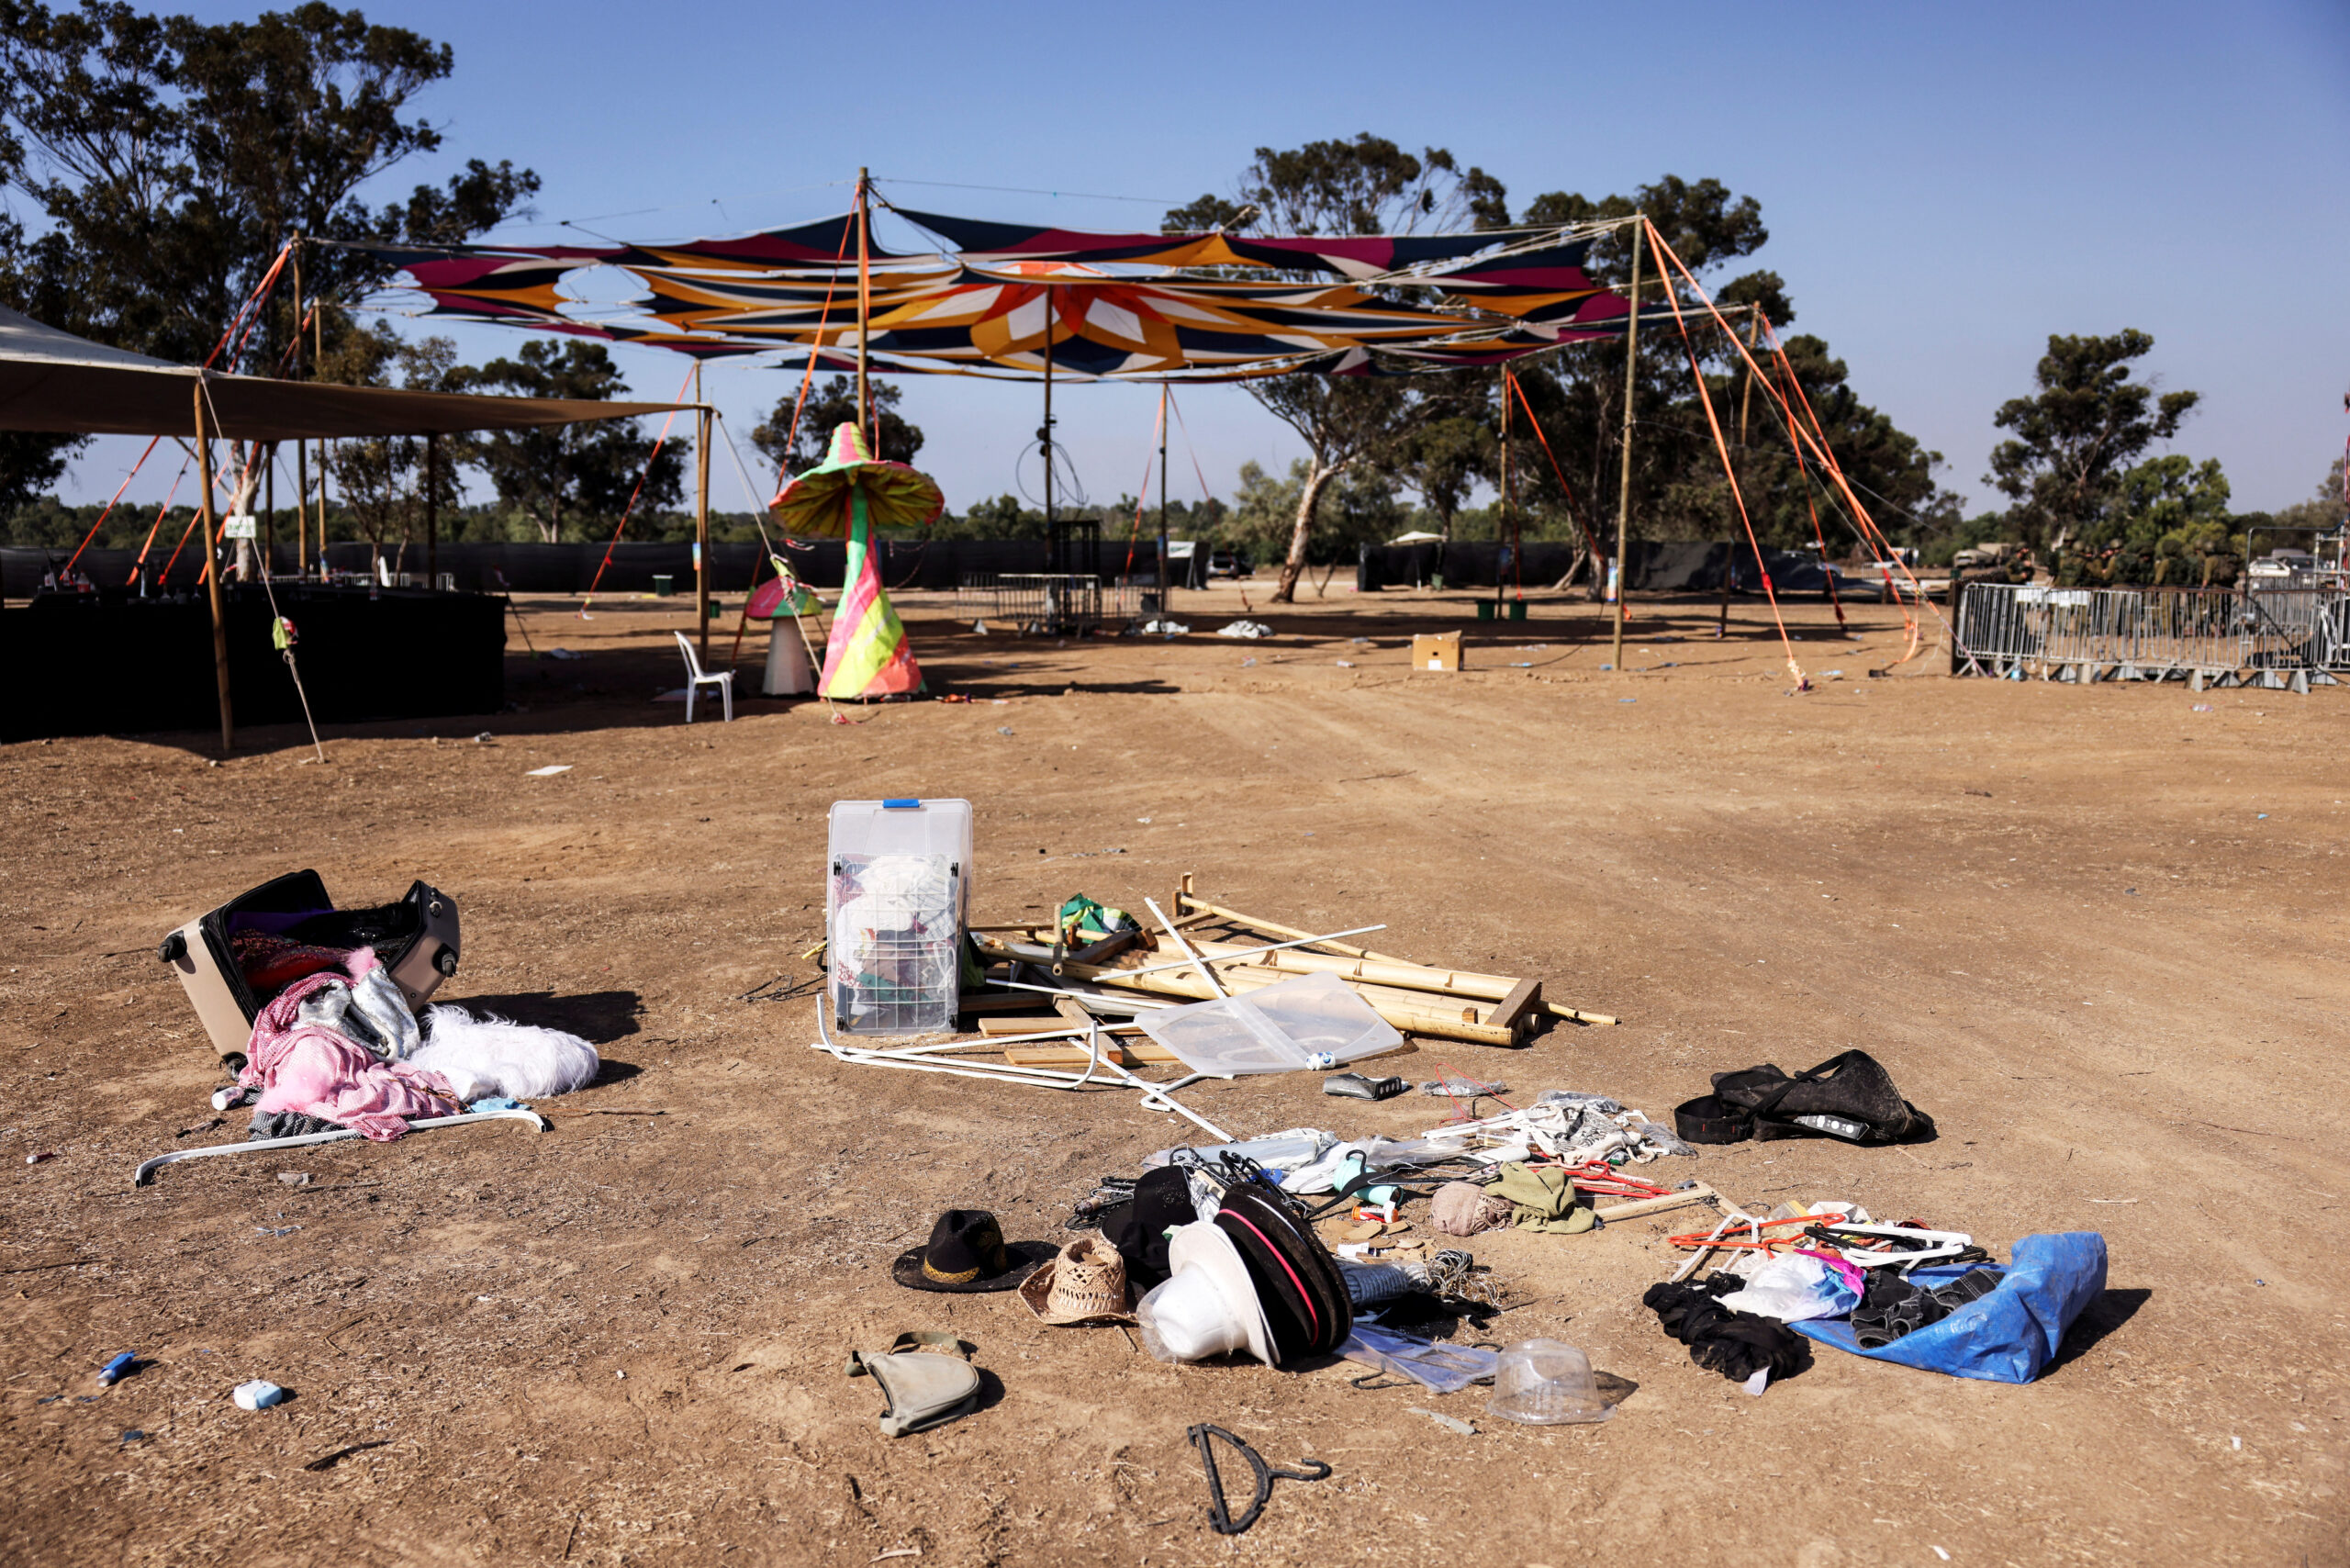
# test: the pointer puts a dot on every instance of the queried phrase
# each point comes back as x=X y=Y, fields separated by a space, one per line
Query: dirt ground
x=2096 y=933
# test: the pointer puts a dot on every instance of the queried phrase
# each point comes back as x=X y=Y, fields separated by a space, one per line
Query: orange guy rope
x=651 y=458
x=119 y=489
x=163 y=511
x=808 y=380
x=1706 y=396
x=1590 y=548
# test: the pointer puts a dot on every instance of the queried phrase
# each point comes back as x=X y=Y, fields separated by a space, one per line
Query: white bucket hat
x=1208 y=1306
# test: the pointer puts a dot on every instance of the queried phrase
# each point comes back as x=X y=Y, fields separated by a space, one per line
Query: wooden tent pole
x=301 y=448
x=1745 y=407
x=1509 y=496
x=1624 y=484
x=864 y=312
x=318 y=358
x=204 y=515
x=431 y=511
x=1166 y=592
x=701 y=526
x=1045 y=436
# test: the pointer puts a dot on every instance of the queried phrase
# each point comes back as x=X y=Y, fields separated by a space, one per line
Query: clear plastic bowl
x=1546 y=1383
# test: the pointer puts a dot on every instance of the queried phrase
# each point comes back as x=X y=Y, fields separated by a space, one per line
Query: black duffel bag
x=1850 y=1097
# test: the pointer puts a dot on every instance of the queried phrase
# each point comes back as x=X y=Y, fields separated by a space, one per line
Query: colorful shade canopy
x=1009 y=298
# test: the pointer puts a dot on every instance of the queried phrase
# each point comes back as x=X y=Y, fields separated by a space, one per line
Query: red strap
x=1302 y=1293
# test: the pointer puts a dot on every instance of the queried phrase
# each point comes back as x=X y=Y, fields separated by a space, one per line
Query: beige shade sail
x=53 y=381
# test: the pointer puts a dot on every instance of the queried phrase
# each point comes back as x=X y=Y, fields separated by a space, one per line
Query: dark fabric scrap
x=288 y=1123
x=1892 y=1307
x=1735 y=1344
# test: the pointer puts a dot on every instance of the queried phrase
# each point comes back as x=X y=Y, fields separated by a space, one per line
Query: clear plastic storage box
x=897 y=895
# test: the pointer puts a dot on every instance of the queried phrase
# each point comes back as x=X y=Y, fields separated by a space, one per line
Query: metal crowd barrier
x=2272 y=637
x=1047 y=601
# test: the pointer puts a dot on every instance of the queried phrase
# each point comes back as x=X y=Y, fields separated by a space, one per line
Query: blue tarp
x=2010 y=1335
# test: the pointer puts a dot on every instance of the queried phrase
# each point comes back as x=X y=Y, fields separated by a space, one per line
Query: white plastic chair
x=696 y=680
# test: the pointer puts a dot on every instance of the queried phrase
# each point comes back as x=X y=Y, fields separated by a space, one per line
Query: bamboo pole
x=864 y=308
x=1411 y=977
x=1624 y=482
x=1408 y=1011
x=1185 y=903
x=1378 y=968
x=1700 y=1193
x=204 y=515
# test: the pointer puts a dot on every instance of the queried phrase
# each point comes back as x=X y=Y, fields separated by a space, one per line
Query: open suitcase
x=233 y=961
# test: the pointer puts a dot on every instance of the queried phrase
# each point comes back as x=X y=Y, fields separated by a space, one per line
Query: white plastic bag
x=1793 y=1289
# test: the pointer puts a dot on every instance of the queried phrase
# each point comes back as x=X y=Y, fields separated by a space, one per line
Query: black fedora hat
x=967 y=1251
x=1298 y=1282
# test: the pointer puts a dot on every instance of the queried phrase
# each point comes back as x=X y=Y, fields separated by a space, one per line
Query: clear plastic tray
x=1298 y=1025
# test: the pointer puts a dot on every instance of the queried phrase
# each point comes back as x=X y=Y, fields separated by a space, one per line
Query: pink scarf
x=315 y=1072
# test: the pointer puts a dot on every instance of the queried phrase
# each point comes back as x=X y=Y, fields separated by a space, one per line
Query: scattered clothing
x=1544 y=1198
x=1849 y=1096
x=2008 y=1335
x=368 y=1008
x=1250 y=629
x=316 y=1070
x=490 y=1055
x=1463 y=1208
x=288 y=1123
x=1894 y=1307
x=1736 y=1344
x=1794 y=1287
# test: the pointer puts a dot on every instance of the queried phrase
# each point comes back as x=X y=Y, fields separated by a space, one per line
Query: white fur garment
x=490 y=1055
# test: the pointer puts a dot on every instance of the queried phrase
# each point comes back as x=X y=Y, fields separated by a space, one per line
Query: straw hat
x=1085 y=1282
x=1208 y=1307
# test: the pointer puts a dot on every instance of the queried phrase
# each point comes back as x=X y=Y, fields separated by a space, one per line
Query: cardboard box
x=1436 y=650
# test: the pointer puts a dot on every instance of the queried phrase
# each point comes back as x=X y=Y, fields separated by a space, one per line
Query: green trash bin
x=1517 y=610
x=1485 y=609
x=664 y=584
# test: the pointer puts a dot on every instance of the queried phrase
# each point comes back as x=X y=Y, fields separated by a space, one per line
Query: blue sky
x=1945 y=186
